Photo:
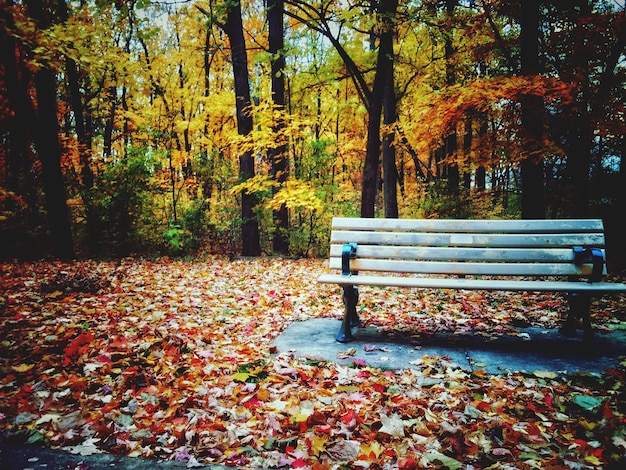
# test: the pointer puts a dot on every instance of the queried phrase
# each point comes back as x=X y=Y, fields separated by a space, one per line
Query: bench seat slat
x=468 y=268
x=465 y=225
x=474 y=284
x=538 y=255
x=473 y=240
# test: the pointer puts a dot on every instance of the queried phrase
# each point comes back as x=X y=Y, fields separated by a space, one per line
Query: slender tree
x=390 y=170
x=533 y=200
x=451 y=166
x=315 y=16
x=278 y=155
x=383 y=87
x=233 y=27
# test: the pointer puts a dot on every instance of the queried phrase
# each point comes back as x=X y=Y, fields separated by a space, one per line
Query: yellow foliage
x=258 y=183
x=296 y=194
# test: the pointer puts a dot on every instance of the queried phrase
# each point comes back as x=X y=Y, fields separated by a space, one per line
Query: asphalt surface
x=20 y=457
x=532 y=349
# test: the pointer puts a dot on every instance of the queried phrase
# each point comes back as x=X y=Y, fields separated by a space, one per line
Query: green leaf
x=472 y=411
x=35 y=437
x=125 y=420
x=544 y=374
x=587 y=402
x=447 y=462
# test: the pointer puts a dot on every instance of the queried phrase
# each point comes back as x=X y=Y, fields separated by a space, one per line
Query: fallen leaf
x=343 y=451
x=587 y=402
x=392 y=425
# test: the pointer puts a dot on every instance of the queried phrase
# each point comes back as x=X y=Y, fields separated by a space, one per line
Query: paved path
x=533 y=350
x=20 y=457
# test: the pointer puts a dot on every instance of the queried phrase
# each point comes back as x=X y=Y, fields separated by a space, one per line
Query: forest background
x=182 y=127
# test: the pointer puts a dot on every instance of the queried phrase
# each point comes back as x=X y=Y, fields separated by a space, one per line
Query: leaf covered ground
x=174 y=360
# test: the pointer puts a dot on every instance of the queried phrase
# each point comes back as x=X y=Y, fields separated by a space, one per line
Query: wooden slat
x=465 y=226
x=475 y=240
x=475 y=284
x=538 y=255
x=483 y=248
x=465 y=268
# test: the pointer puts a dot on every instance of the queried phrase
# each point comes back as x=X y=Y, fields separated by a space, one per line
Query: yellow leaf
x=318 y=444
x=593 y=460
x=23 y=367
x=241 y=376
x=371 y=450
x=300 y=417
x=588 y=425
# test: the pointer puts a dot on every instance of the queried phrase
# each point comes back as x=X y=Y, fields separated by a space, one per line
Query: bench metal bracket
x=590 y=255
x=348 y=252
x=350 y=317
x=350 y=295
x=579 y=305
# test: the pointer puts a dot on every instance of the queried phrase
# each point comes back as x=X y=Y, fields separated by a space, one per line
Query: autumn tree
x=381 y=89
x=533 y=204
x=325 y=20
x=390 y=169
x=233 y=28
x=278 y=156
x=39 y=115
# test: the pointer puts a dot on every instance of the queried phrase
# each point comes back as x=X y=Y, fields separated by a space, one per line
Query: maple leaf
x=392 y=425
x=371 y=451
x=22 y=367
x=88 y=447
x=619 y=442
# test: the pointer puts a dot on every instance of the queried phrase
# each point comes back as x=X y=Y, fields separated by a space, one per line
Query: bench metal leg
x=350 y=317
x=579 y=306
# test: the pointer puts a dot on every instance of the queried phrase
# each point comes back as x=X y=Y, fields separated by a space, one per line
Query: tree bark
x=533 y=199
x=279 y=154
x=233 y=28
x=386 y=11
x=390 y=170
x=43 y=125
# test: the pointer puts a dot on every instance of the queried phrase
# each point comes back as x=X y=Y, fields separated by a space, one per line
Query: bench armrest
x=348 y=252
x=593 y=255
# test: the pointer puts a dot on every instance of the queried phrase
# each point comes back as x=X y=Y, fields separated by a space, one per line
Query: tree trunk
x=19 y=140
x=251 y=245
x=533 y=200
x=481 y=171
x=621 y=194
x=372 y=150
x=84 y=136
x=46 y=138
x=278 y=155
x=467 y=148
x=390 y=171
x=451 y=167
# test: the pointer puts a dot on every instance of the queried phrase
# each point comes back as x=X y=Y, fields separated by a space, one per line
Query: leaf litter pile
x=173 y=360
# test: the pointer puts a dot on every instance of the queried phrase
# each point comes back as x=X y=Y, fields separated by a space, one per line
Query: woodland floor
x=174 y=360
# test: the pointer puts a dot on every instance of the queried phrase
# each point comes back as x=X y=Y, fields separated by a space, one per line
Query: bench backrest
x=468 y=247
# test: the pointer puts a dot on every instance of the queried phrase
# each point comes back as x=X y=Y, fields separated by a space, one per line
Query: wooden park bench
x=565 y=256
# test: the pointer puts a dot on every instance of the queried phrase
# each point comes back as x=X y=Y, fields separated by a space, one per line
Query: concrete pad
x=315 y=339
x=532 y=349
